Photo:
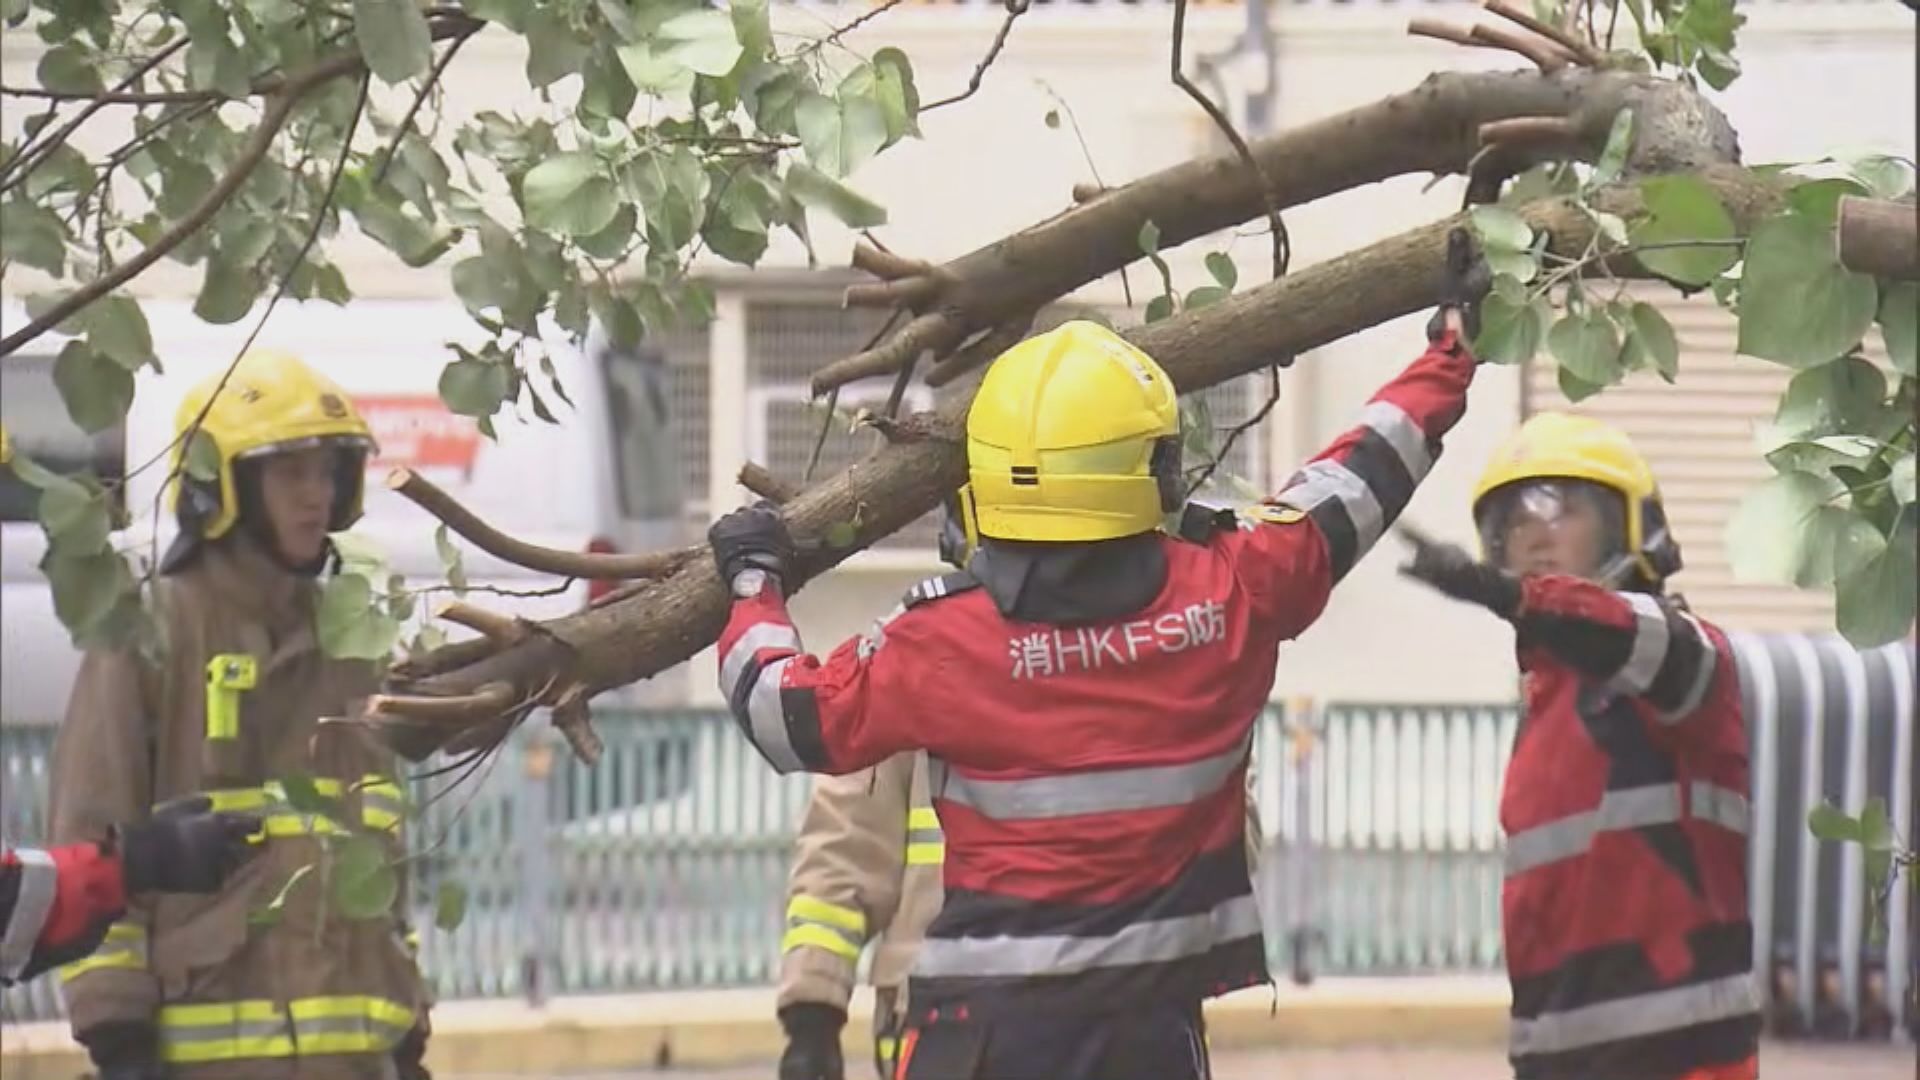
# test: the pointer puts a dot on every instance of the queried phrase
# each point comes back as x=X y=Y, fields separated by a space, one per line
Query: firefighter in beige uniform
x=202 y=987
x=867 y=867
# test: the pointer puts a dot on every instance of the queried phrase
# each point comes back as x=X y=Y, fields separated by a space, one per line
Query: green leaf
x=1684 y=208
x=894 y=90
x=202 y=458
x=1149 y=238
x=1768 y=534
x=611 y=242
x=303 y=795
x=1160 y=307
x=822 y=192
x=1220 y=265
x=840 y=134
x=349 y=625
x=703 y=41
x=736 y=231
x=227 y=292
x=508 y=13
x=213 y=63
x=1839 y=542
x=841 y=534
x=1875 y=603
x=1574 y=388
x=606 y=89
x=553 y=52
x=359 y=554
x=63 y=169
x=1886 y=177
x=365 y=885
x=86 y=587
x=117 y=328
x=451 y=562
x=97 y=391
x=1511 y=327
x=1588 y=347
x=483 y=283
x=1820 y=199
x=1828 y=822
x=1842 y=397
x=570 y=194
x=1614 y=157
x=450 y=906
x=1798 y=306
x=474 y=387
x=1876 y=828
x=33 y=235
x=1205 y=296
x=655 y=70
x=1822 y=454
x=1899 y=308
x=1656 y=338
x=75 y=517
x=1500 y=229
x=65 y=69
x=393 y=38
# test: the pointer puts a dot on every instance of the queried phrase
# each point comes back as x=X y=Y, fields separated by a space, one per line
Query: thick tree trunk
x=672 y=620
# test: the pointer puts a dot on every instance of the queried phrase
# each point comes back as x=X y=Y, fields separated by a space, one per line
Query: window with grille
x=688 y=355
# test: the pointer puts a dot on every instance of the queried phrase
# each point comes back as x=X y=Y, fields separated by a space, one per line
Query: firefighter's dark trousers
x=1164 y=1042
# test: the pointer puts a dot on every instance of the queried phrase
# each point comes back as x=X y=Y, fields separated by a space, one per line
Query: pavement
x=1437 y=1028
x=1778 y=1061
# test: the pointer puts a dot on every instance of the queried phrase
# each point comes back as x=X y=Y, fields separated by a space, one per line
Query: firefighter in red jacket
x=1086 y=692
x=56 y=904
x=1625 y=806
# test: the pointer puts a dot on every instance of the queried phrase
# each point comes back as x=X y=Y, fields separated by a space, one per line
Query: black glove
x=813 y=1042
x=124 y=1050
x=1452 y=571
x=1463 y=284
x=752 y=538
x=183 y=848
x=410 y=1056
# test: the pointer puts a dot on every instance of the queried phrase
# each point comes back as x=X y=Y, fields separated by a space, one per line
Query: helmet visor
x=1553 y=526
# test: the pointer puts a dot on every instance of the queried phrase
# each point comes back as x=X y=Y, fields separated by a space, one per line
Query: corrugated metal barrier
x=665 y=866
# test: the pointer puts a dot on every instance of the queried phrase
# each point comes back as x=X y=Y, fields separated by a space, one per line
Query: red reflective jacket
x=1090 y=779
x=1625 y=809
x=55 y=906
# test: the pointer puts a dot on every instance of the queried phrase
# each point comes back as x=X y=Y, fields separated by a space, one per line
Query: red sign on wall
x=419 y=432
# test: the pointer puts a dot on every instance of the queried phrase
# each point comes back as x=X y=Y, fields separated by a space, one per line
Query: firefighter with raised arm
x=1625 y=804
x=1086 y=693
x=57 y=904
x=217 y=986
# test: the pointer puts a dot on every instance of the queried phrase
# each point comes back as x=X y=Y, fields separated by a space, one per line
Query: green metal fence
x=665 y=865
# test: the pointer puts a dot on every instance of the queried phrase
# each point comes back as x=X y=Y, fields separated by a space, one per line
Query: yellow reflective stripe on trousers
x=344 y=1024
x=125 y=948
x=812 y=921
x=926 y=844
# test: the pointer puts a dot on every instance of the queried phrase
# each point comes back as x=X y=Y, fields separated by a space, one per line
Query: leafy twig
x=433 y=78
x=1282 y=246
x=1015 y=9
x=30 y=158
x=1233 y=436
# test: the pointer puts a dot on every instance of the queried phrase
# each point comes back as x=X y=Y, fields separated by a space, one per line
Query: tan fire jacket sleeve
x=845 y=883
x=102 y=775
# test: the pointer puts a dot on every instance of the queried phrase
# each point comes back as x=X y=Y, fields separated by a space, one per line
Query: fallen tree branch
x=1544 y=54
x=1432 y=128
x=1878 y=236
x=574 y=564
x=499 y=629
x=682 y=615
x=934 y=330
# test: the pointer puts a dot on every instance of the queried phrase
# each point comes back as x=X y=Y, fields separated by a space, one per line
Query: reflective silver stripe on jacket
x=1650 y=636
x=1633 y=1017
x=1391 y=422
x=1327 y=479
x=769 y=719
x=1152 y=942
x=39 y=881
x=1096 y=792
x=763 y=636
x=1627 y=808
x=1702 y=676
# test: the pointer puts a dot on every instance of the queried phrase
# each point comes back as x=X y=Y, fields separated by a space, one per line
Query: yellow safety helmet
x=1563 y=446
x=1074 y=435
x=271 y=403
